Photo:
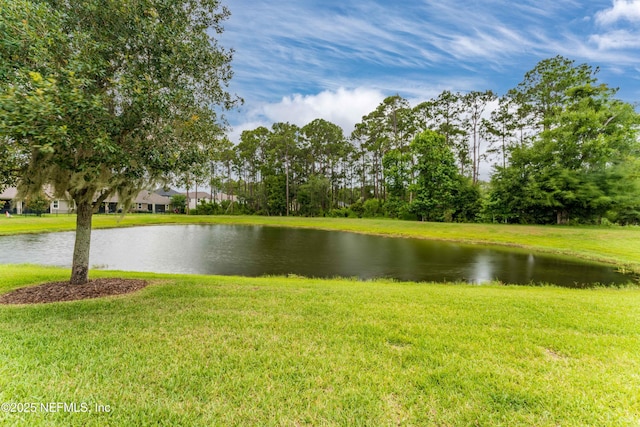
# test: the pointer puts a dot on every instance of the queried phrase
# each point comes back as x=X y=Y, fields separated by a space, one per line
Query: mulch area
x=63 y=291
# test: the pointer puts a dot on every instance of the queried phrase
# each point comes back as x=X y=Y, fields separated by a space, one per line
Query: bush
x=340 y=213
x=372 y=208
x=396 y=208
x=207 y=208
x=178 y=203
x=357 y=209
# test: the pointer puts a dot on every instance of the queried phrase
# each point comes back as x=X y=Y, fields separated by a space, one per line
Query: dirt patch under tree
x=63 y=291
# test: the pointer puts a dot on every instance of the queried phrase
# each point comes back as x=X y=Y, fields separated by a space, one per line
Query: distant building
x=147 y=201
x=194 y=199
x=12 y=202
x=8 y=202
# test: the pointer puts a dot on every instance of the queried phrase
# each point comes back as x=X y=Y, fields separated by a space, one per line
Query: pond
x=257 y=251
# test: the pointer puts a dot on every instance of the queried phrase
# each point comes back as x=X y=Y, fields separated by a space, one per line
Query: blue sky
x=300 y=60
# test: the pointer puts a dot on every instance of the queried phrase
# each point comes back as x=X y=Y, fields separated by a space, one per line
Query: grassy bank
x=613 y=245
x=196 y=350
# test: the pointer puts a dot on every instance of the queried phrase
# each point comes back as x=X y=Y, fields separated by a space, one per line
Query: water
x=257 y=251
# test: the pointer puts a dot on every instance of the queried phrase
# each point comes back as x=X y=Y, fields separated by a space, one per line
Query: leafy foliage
x=179 y=203
x=437 y=177
x=574 y=168
x=103 y=98
x=564 y=150
x=37 y=203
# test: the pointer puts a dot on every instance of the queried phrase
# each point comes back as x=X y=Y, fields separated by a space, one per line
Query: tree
x=102 y=98
x=251 y=151
x=228 y=158
x=466 y=200
x=37 y=203
x=436 y=177
x=284 y=140
x=313 y=195
x=474 y=104
x=373 y=138
x=580 y=168
x=542 y=93
x=325 y=146
x=589 y=139
x=8 y=164
x=396 y=165
x=447 y=109
x=179 y=203
x=500 y=129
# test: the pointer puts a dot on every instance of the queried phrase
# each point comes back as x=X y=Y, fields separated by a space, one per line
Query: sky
x=298 y=60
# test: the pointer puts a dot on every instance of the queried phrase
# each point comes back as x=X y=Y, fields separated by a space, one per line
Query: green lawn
x=226 y=351
x=196 y=350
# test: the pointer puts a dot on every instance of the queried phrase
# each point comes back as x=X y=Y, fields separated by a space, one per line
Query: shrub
x=372 y=208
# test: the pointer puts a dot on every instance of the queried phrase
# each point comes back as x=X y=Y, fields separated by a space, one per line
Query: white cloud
x=620 y=39
x=344 y=107
x=236 y=131
x=622 y=9
x=416 y=49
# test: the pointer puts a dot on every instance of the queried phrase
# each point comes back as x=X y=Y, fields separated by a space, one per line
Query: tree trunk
x=188 y=201
x=286 y=166
x=80 y=268
x=562 y=217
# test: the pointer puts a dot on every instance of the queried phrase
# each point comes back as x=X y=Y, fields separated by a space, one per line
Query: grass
x=209 y=351
x=275 y=351
x=619 y=246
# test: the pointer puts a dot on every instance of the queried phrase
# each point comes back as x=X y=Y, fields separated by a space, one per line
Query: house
x=148 y=201
x=194 y=199
x=62 y=206
x=12 y=202
x=145 y=202
x=8 y=202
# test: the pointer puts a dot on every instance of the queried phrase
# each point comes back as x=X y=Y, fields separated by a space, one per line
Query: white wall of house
x=217 y=197
x=60 y=206
x=194 y=200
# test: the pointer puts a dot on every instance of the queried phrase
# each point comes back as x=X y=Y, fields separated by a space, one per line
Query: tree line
x=561 y=147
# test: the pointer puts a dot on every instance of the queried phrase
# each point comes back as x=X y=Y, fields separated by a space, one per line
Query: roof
x=157 y=197
x=199 y=194
x=9 y=193
x=167 y=193
x=153 y=198
x=144 y=196
x=12 y=193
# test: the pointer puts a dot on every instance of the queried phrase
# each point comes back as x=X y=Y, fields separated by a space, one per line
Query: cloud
x=308 y=48
x=622 y=10
x=293 y=62
x=620 y=39
x=344 y=107
x=618 y=36
x=236 y=131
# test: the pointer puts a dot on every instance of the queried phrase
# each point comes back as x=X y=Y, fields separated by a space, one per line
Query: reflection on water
x=256 y=251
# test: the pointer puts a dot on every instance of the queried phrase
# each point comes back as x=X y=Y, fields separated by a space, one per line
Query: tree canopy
x=562 y=147
x=110 y=97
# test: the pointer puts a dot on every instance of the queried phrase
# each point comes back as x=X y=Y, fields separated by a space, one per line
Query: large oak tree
x=104 y=97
